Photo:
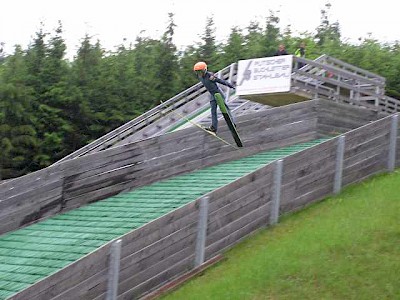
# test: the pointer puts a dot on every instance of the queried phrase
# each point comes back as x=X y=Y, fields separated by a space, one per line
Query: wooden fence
x=336 y=118
x=177 y=242
x=96 y=176
x=76 y=182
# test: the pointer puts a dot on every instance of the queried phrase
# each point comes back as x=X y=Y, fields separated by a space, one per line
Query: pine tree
x=207 y=50
x=186 y=62
x=86 y=77
x=18 y=137
x=146 y=66
x=328 y=33
x=271 y=35
x=48 y=72
x=254 y=41
x=168 y=63
x=234 y=50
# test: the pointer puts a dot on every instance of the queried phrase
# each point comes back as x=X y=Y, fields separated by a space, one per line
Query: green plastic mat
x=29 y=254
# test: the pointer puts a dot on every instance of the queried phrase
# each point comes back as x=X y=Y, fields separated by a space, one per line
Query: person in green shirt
x=301 y=52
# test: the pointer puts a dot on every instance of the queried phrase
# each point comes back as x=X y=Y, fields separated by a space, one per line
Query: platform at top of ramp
x=29 y=254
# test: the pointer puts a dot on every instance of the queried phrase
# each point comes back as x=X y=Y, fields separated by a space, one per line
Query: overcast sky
x=112 y=21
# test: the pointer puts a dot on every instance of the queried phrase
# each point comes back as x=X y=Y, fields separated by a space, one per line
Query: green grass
x=346 y=247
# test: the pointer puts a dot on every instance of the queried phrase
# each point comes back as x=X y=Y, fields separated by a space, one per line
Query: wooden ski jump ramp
x=144 y=182
x=32 y=253
x=151 y=192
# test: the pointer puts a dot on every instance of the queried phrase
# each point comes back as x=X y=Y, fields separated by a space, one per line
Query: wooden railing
x=324 y=77
x=154 y=122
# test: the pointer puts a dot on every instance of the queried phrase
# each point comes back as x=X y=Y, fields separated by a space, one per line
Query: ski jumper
x=210 y=81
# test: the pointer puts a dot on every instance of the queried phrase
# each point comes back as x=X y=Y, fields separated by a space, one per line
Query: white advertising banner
x=264 y=75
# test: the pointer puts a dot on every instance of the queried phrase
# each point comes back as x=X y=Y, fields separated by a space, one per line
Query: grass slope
x=346 y=247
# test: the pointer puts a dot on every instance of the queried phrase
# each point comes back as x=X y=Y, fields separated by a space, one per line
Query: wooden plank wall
x=366 y=151
x=235 y=210
x=308 y=176
x=30 y=198
x=96 y=176
x=150 y=254
x=65 y=284
x=103 y=174
x=336 y=118
x=238 y=209
x=163 y=249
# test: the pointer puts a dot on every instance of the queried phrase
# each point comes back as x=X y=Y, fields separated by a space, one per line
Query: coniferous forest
x=51 y=106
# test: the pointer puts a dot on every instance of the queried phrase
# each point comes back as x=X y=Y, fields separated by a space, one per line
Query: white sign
x=264 y=75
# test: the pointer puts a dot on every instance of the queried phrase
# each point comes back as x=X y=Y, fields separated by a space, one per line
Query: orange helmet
x=200 y=66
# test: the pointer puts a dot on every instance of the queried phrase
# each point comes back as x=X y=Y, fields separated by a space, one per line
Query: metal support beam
x=276 y=200
x=337 y=186
x=113 y=271
x=393 y=143
x=201 y=232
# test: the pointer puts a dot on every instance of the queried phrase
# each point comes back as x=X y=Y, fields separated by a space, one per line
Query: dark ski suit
x=210 y=81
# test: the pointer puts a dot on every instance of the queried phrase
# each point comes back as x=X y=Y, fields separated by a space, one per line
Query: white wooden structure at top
x=322 y=78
